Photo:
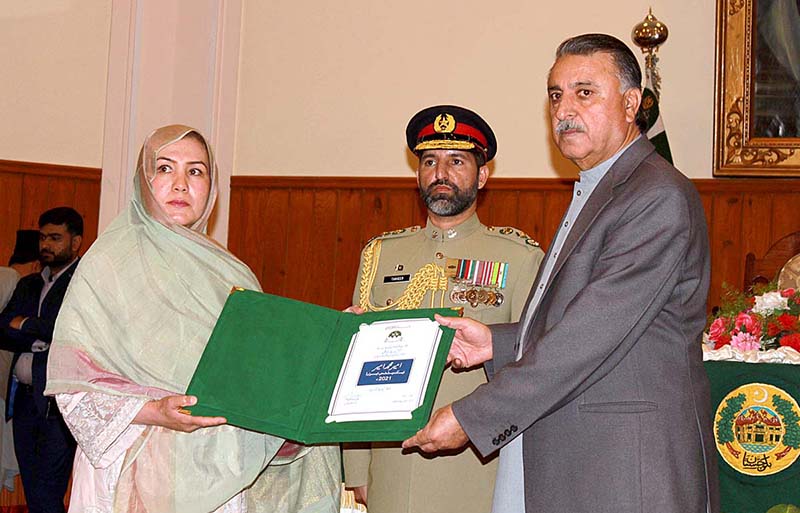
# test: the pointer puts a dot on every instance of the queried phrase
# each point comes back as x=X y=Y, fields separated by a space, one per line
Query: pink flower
x=744 y=341
x=748 y=323
x=717 y=328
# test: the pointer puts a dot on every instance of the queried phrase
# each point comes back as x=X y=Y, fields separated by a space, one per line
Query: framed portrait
x=757 y=99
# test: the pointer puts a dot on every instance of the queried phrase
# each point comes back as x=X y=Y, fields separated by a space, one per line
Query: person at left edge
x=24 y=261
x=42 y=442
x=454 y=261
x=133 y=326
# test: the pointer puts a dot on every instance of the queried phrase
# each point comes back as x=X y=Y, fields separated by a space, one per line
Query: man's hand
x=442 y=432
x=169 y=413
x=354 y=309
x=472 y=344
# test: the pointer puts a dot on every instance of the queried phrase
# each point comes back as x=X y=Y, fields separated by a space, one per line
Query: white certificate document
x=386 y=371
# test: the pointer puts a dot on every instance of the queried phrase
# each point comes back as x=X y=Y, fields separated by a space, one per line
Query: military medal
x=476 y=281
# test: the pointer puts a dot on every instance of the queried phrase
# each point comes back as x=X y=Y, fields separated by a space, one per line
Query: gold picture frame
x=751 y=112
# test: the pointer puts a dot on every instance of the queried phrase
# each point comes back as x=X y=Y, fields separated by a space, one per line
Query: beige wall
x=326 y=88
x=54 y=57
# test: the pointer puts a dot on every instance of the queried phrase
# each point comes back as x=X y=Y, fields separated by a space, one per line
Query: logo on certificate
x=385 y=372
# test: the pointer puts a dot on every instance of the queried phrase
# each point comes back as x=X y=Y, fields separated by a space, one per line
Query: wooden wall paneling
x=300 y=245
x=236 y=217
x=757 y=215
x=86 y=202
x=785 y=215
x=60 y=192
x=10 y=206
x=404 y=205
x=373 y=216
x=34 y=200
x=504 y=209
x=271 y=237
x=349 y=240
x=530 y=214
x=727 y=258
x=319 y=262
x=249 y=250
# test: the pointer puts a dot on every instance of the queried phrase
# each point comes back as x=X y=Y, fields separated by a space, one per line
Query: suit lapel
x=56 y=293
x=602 y=195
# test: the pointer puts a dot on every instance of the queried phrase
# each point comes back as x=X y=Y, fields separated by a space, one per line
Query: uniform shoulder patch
x=393 y=234
x=511 y=233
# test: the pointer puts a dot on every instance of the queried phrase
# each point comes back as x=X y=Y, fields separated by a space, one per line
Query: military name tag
x=397 y=278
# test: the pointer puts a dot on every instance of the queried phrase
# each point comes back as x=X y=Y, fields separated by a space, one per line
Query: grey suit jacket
x=610 y=394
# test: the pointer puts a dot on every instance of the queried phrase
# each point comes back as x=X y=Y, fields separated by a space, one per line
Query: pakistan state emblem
x=757 y=429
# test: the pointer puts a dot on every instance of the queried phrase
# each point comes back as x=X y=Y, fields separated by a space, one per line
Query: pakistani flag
x=655 y=126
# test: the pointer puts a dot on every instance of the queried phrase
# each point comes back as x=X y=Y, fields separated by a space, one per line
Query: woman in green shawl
x=130 y=332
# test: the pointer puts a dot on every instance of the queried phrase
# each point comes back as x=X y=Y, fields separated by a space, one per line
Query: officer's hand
x=472 y=344
x=442 y=432
x=354 y=309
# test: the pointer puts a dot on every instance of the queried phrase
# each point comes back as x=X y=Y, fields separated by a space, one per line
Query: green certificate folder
x=272 y=363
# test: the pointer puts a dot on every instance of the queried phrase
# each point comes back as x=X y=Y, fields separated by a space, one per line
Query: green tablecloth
x=757 y=430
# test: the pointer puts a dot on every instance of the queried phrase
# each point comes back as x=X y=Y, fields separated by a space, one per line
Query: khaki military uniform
x=405 y=483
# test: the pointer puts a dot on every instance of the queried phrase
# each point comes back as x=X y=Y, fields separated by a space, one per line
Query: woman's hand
x=169 y=413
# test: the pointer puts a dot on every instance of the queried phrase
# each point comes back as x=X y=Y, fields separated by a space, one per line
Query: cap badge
x=444 y=123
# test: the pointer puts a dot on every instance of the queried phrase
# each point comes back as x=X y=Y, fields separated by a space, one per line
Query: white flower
x=769 y=302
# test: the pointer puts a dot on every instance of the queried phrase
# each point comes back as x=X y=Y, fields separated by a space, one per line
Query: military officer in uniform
x=453 y=261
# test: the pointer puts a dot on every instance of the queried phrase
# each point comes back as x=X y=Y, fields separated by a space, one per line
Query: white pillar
x=170 y=61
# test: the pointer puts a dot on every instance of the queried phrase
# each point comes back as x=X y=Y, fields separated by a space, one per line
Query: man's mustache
x=442 y=181
x=569 y=124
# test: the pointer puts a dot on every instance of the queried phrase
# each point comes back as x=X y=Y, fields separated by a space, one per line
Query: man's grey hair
x=628 y=71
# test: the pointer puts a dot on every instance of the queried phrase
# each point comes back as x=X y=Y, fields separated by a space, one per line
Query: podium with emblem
x=756 y=430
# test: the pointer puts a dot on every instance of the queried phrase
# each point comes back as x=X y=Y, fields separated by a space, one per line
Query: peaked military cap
x=27 y=247
x=450 y=127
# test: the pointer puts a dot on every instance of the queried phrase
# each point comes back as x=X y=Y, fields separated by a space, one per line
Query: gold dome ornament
x=650 y=33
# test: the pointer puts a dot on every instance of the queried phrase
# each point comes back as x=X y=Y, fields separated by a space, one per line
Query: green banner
x=757 y=432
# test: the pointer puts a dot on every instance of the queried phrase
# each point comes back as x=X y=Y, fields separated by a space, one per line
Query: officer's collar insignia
x=757 y=429
x=444 y=123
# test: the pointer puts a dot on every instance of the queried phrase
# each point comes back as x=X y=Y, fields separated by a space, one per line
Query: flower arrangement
x=769 y=319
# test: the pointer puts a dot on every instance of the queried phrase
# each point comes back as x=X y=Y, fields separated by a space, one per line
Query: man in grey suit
x=602 y=377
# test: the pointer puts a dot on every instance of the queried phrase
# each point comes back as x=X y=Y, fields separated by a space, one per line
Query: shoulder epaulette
x=392 y=234
x=511 y=233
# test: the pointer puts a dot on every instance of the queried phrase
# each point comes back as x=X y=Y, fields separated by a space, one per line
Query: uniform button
x=389 y=301
x=439 y=255
x=513 y=428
